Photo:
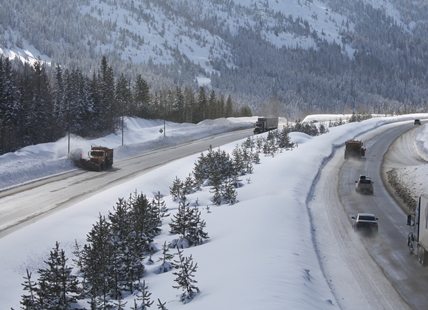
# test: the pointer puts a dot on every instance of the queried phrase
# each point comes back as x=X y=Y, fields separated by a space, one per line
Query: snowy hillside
x=260 y=252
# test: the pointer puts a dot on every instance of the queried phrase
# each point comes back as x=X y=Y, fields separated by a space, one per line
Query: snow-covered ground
x=260 y=254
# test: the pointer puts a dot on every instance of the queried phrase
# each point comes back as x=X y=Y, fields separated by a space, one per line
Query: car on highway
x=366 y=222
x=417 y=122
x=364 y=185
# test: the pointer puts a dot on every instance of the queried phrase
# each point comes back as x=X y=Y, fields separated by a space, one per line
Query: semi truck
x=264 y=124
x=354 y=148
x=99 y=158
x=417 y=239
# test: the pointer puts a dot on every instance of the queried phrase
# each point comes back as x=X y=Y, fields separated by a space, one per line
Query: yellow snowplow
x=99 y=158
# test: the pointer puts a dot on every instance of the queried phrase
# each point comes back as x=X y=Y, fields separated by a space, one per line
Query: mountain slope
x=286 y=57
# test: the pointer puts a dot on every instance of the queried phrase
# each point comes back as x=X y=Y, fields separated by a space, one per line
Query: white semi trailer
x=417 y=240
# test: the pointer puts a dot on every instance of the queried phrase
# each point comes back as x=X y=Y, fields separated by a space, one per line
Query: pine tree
x=141 y=98
x=177 y=189
x=228 y=112
x=179 y=220
x=143 y=298
x=98 y=257
x=165 y=259
x=284 y=139
x=42 y=104
x=159 y=206
x=200 y=171
x=229 y=194
x=185 y=274
x=60 y=287
x=30 y=301
x=178 y=106
x=146 y=218
x=195 y=228
x=188 y=184
x=128 y=264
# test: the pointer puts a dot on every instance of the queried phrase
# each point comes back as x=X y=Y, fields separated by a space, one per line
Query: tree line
x=39 y=104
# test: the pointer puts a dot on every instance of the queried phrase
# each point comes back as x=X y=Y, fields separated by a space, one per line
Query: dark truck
x=99 y=158
x=264 y=124
x=354 y=148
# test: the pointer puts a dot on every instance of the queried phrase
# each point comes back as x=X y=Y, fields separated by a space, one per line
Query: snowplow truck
x=417 y=239
x=264 y=124
x=99 y=158
x=354 y=148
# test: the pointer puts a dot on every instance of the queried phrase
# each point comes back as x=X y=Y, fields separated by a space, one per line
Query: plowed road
x=26 y=204
x=378 y=270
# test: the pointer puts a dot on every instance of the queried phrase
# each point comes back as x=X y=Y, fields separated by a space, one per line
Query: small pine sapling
x=185 y=274
x=165 y=259
x=161 y=305
x=177 y=189
x=143 y=300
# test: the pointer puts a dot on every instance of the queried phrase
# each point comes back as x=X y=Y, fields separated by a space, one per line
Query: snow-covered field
x=260 y=254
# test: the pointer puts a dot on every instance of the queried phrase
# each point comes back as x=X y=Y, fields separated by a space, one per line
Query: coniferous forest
x=374 y=62
x=39 y=104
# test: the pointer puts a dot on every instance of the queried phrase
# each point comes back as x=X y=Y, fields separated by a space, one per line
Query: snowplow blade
x=88 y=165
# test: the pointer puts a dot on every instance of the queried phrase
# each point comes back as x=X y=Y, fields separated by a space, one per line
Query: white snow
x=260 y=254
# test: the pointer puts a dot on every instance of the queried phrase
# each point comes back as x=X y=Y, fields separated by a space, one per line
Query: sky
x=260 y=253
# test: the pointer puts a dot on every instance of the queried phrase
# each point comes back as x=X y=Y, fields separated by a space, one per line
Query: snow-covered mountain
x=311 y=55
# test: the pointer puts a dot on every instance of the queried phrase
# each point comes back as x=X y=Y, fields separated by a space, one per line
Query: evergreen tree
x=188 y=185
x=98 y=257
x=42 y=105
x=228 y=112
x=195 y=233
x=143 y=297
x=177 y=189
x=201 y=106
x=185 y=277
x=229 y=193
x=129 y=262
x=141 y=98
x=179 y=220
x=30 y=301
x=200 y=171
x=123 y=97
x=159 y=206
x=165 y=259
x=60 y=287
x=284 y=140
x=178 y=106
x=59 y=111
x=189 y=105
x=145 y=217
x=108 y=107
x=212 y=106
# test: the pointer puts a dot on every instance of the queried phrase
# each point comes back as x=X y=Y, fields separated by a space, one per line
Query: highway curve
x=371 y=272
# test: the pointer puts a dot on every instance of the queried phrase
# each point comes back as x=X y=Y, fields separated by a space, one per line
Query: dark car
x=417 y=122
x=365 y=222
x=364 y=185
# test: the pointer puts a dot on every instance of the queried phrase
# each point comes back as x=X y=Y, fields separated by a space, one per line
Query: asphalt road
x=378 y=270
x=26 y=204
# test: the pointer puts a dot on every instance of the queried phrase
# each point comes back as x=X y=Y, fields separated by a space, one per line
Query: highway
x=379 y=266
x=28 y=203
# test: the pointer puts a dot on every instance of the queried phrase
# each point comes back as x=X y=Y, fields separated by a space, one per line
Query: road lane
x=25 y=204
